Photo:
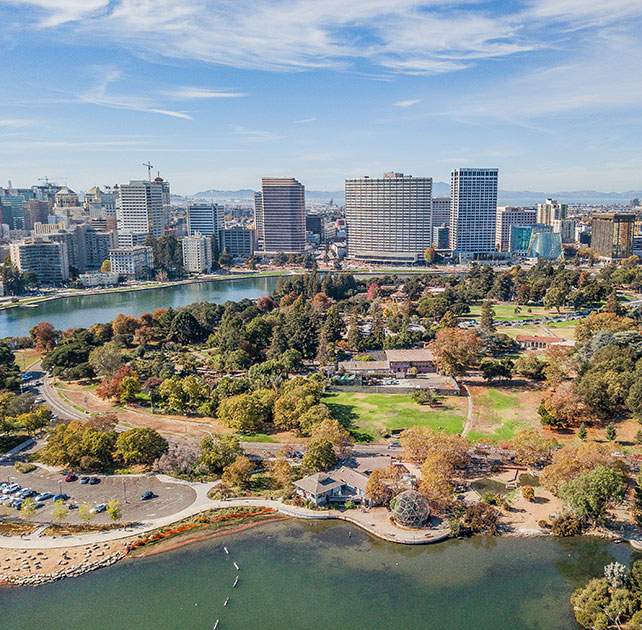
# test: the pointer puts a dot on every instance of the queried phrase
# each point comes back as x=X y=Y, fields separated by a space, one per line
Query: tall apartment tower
x=612 y=234
x=507 y=217
x=389 y=219
x=280 y=216
x=473 y=210
x=440 y=211
x=140 y=211
x=551 y=210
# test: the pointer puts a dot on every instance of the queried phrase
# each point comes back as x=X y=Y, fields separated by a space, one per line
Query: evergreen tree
x=302 y=327
x=279 y=342
x=581 y=433
x=611 y=433
x=354 y=336
x=378 y=329
x=612 y=304
x=486 y=318
x=334 y=323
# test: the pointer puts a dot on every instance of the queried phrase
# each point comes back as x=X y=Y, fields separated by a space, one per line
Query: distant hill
x=442 y=189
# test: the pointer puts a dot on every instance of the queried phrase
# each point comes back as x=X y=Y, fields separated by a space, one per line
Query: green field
x=506 y=312
x=371 y=416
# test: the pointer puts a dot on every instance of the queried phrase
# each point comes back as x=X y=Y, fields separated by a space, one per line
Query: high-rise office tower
x=507 y=216
x=140 y=212
x=440 y=211
x=551 y=210
x=612 y=234
x=473 y=193
x=206 y=219
x=388 y=218
x=280 y=216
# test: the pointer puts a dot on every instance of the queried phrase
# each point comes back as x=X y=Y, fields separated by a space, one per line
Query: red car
x=70 y=477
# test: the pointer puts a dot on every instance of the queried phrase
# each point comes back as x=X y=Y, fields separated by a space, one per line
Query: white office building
x=141 y=210
x=551 y=210
x=197 y=253
x=135 y=262
x=389 y=219
x=473 y=220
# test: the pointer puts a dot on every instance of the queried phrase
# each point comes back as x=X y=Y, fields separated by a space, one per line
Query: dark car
x=93 y=481
x=70 y=477
x=146 y=496
x=84 y=480
x=60 y=497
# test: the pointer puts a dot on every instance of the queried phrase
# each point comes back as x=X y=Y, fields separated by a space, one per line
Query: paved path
x=468 y=425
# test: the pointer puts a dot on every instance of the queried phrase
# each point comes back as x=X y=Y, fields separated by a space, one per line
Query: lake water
x=86 y=310
x=299 y=575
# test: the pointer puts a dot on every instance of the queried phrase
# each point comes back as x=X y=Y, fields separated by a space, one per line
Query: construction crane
x=149 y=166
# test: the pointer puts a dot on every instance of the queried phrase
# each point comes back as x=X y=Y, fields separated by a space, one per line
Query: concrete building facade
x=197 y=253
x=389 y=219
x=135 y=262
x=507 y=217
x=612 y=234
x=47 y=260
x=140 y=210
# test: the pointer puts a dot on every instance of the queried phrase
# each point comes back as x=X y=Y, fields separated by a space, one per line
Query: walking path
x=468 y=425
x=375 y=521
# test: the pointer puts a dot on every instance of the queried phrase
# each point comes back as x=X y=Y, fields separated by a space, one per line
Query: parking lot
x=128 y=489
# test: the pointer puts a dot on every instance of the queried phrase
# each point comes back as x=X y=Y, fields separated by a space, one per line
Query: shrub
x=566 y=525
x=480 y=518
x=23 y=467
x=528 y=493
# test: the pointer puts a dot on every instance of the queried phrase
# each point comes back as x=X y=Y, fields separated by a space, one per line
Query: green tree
x=85 y=514
x=246 y=413
x=611 y=433
x=555 y=298
x=238 y=474
x=219 y=451
x=590 y=494
x=60 y=511
x=106 y=359
x=130 y=388
x=9 y=371
x=487 y=318
x=185 y=329
x=581 y=432
x=140 y=446
x=114 y=510
x=319 y=456
x=28 y=507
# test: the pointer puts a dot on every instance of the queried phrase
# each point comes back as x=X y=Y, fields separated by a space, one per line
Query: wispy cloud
x=15 y=123
x=254 y=135
x=305 y=121
x=409 y=102
x=98 y=95
x=203 y=93
x=58 y=12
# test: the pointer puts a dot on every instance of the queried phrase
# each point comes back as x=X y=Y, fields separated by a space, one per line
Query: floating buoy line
x=234 y=585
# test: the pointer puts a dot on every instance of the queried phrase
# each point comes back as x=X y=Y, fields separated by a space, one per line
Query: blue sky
x=217 y=93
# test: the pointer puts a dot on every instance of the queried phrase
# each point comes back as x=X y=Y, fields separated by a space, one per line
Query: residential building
x=140 y=210
x=197 y=253
x=388 y=219
x=97 y=246
x=100 y=202
x=551 y=210
x=238 y=241
x=507 y=217
x=46 y=259
x=539 y=342
x=207 y=219
x=135 y=261
x=612 y=234
x=473 y=211
x=336 y=486
x=98 y=279
x=280 y=216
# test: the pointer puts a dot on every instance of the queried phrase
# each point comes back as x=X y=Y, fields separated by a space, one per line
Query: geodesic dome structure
x=410 y=509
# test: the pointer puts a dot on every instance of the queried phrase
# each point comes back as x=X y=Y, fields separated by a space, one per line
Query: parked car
x=60 y=497
x=43 y=496
x=93 y=481
x=25 y=493
x=146 y=496
x=98 y=508
x=13 y=488
x=84 y=480
x=15 y=503
x=70 y=477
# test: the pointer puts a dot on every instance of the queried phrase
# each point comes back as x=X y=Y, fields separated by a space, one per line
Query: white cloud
x=305 y=121
x=15 y=123
x=409 y=102
x=59 y=12
x=254 y=135
x=203 y=93
x=98 y=96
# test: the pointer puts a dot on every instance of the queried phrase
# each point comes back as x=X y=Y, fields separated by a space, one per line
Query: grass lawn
x=564 y=330
x=506 y=312
x=257 y=437
x=26 y=357
x=371 y=416
x=500 y=412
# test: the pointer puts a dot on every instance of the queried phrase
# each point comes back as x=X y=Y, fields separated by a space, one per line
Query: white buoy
x=225 y=550
x=236 y=566
x=235 y=582
x=225 y=602
x=215 y=625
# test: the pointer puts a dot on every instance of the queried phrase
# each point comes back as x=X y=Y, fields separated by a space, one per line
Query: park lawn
x=506 y=311
x=257 y=437
x=371 y=416
x=564 y=330
x=500 y=412
x=26 y=358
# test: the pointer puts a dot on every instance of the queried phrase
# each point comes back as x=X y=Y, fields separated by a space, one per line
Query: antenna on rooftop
x=149 y=166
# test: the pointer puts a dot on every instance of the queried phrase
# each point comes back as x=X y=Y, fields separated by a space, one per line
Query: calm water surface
x=86 y=310
x=298 y=575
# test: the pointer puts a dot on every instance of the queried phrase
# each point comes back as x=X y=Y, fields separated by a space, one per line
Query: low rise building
x=98 y=279
x=135 y=262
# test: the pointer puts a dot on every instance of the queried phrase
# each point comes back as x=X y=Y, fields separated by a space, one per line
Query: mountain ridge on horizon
x=442 y=189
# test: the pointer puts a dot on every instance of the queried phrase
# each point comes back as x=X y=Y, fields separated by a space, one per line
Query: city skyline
x=547 y=92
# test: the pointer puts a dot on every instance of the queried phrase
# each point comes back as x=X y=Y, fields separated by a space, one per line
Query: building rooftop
x=411 y=354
